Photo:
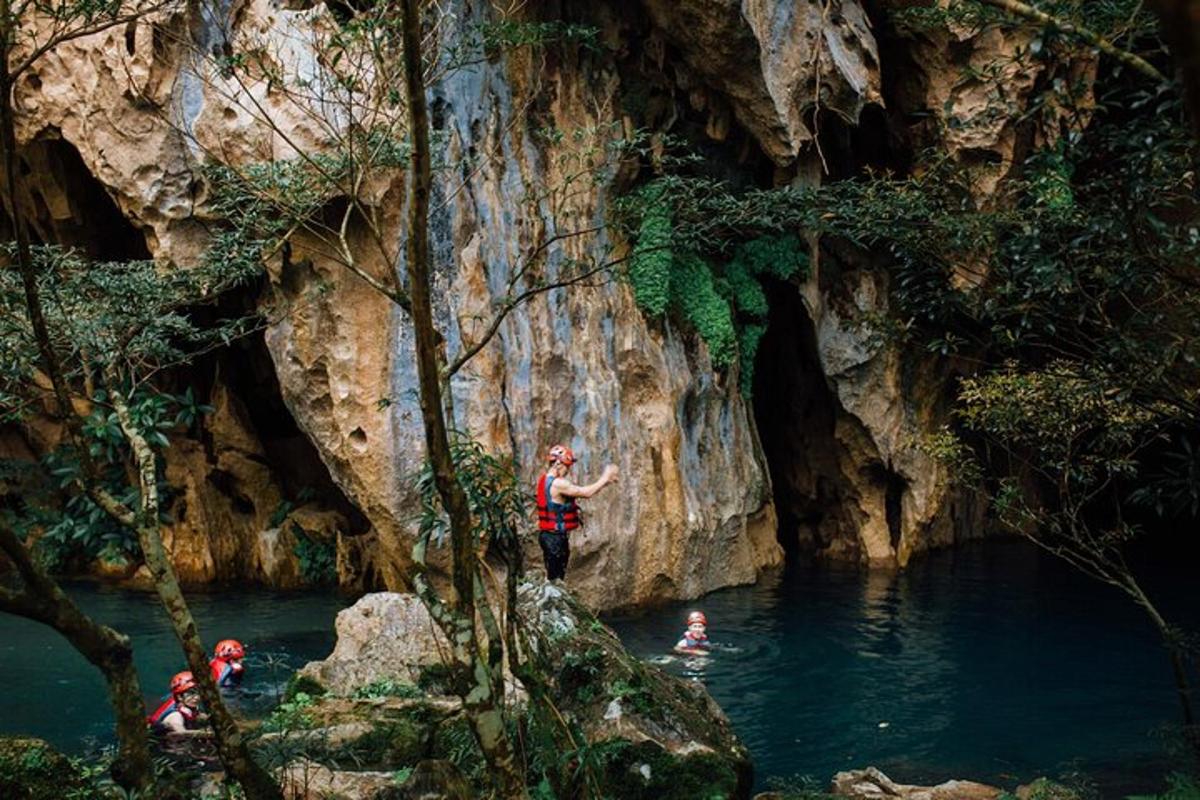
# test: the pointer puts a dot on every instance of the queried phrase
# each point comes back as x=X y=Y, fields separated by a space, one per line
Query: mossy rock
x=302 y=684
x=645 y=771
x=1046 y=789
x=30 y=769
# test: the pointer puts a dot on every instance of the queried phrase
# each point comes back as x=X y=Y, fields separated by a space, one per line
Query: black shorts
x=556 y=550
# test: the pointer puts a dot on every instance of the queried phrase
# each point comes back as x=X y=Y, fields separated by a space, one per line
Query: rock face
x=142 y=112
x=871 y=784
x=776 y=61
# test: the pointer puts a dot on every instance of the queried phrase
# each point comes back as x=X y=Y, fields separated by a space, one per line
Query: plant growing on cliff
x=723 y=300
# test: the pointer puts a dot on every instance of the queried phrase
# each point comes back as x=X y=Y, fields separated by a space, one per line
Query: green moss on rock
x=302 y=684
x=30 y=769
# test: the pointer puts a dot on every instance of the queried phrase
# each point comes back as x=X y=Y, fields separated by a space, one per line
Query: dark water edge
x=50 y=691
x=993 y=662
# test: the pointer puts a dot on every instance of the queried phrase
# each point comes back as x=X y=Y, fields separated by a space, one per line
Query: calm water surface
x=993 y=662
x=50 y=691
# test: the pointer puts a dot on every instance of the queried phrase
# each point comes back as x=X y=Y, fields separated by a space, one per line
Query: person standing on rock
x=557 y=512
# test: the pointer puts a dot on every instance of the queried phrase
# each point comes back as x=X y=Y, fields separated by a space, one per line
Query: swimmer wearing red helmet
x=695 y=638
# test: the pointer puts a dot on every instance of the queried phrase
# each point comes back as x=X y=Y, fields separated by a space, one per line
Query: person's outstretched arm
x=568 y=489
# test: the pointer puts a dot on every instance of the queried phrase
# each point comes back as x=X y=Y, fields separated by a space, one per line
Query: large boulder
x=662 y=737
x=383 y=637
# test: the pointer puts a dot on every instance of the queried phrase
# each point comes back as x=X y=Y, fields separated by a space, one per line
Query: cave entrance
x=64 y=204
x=795 y=412
x=247 y=371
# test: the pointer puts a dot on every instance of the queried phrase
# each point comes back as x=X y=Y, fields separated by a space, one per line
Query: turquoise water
x=992 y=662
x=51 y=691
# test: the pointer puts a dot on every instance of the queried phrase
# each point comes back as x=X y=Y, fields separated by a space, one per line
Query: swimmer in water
x=180 y=713
x=695 y=639
x=226 y=666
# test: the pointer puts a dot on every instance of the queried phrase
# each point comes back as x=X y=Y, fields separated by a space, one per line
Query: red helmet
x=561 y=455
x=697 y=616
x=230 y=648
x=182 y=682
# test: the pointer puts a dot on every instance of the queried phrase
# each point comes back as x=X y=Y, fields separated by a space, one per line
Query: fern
x=694 y=294
x=650 y=266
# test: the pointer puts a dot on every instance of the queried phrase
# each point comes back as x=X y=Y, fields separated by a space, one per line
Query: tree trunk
x=1170 y=639
x=106 y=649
x=231 y=743
x=482 y=691
x=44 y=601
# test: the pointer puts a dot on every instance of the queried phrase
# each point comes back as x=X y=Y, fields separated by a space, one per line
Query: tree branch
x=1131 y=60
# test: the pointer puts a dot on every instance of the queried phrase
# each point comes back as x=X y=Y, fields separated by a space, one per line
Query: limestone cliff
x=695 y=511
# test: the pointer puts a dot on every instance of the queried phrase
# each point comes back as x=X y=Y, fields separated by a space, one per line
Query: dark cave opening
x=64 y=204
x=893 y=504
x=795 y=413
x=246 y=369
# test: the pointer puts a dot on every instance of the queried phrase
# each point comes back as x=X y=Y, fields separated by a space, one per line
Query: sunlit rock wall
x=693 y=511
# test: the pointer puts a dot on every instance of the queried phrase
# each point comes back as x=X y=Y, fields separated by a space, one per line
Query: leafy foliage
x=650 y=267
x=695 y=295
x=723 y=301
x=291 y=715
x=498 y=504
x=128 y=315
x=385 y=687
x=317 y=558
x=68 y=526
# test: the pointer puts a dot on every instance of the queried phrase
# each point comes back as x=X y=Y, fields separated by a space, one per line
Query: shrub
x=317 y=558
x=385 y=687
